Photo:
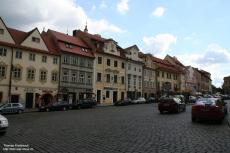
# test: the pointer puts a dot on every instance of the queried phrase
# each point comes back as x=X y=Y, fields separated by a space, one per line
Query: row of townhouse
x=226 y=85
x=42 y=68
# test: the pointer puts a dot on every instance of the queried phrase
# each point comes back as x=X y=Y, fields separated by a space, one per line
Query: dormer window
x=35 y=39
x=84 y=50
x=1 y=31
x=68 y=45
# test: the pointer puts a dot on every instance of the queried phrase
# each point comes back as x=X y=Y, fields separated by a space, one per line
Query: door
x=114 y=96
x=14 y=98
x=29 y=100
x=98 y=96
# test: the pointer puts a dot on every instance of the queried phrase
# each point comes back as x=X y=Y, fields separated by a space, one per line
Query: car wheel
x=3 y=133
x=162 y=112
x=19 y=111
x=219 y=121
x=178 y=109
x=193 y=119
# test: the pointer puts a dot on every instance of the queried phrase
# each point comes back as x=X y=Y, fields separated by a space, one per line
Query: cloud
x=215 y=59
x=123 y=6
x=160 y=43
x=158 y=12
x=103 y=4
x=93 y=8
x=58 y=15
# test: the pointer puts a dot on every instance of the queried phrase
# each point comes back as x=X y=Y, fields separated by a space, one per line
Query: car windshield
x=206 y=101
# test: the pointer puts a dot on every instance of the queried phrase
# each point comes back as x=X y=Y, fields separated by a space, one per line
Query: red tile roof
x=50 y=43
x=77 y=45
x=163 y=64
x=69 y=39
x=18 y=36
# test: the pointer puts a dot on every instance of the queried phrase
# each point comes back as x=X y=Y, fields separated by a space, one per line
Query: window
x=122 y=65
x=135 y=69
x=54 y=76
x=108 y=62
x=98 y=76
x=162 y=74
x=66 y=59
x=129 y=80
x=35 y=39
x=99 y=60
x=74 y=77
x=1 y=31
x=43 y=75
x=3 y=51
x=65 y=76
x=17 y=72
x=82 y=62
x=81 y=78
x=144 y=72
x=74 y=60
x=122 y=95
x=84 y=49
x=44 y=59
x=2 y=71
x=32 y=57
x=122 y=80
x=115 y=63
x=107 y=94
x=129 y=67
x=115 y=78
x=18 y=54
x=89 y=79
x=55 y=60
x=90 y=64
x=108 y=78
x=139 y=80
x=31 y=74
x=157 y=73
x=134 y=81
x=139 y=69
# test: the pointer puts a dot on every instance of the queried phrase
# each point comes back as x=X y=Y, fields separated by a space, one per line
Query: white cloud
x=160 y=43
x=58 y=15
x=215 y=59
x=123 y=6
x=103 y=4
x=159 y=11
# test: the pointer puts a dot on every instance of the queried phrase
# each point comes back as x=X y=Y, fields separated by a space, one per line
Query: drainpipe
x=10 y=79
x=59 y=77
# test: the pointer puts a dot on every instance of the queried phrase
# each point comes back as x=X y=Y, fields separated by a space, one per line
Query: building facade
x=149 y=76
x=33 y=77
x=76 y=67
x=134 y=72
x=109 y=67
x=226 y=85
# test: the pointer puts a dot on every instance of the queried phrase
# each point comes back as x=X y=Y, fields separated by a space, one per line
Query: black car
x=55 y=106
x=84 y=103
x=151 y=100
x=171 y=104
x=123 y=102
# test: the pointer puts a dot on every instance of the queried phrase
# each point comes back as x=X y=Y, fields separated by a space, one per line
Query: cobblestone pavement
x=127 y=129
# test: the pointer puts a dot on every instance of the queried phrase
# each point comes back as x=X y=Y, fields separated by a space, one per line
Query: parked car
x=10 y=108
x=171 y=104
x=151 y=100
x=140 y=100
x=192 y=99
x=181 y=97
x=3 y=124
x=63 y=105
x=209 y=108
x=84 y=103
x=123 y=102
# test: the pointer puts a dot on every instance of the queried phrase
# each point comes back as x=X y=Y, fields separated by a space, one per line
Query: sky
x=195 y=31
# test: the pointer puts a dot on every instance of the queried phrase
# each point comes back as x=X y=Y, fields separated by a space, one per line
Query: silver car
x=3 y=124
x=9 y=108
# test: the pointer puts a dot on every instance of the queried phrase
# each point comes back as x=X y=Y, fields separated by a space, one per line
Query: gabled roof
x=78 y=46
x=165 y=65
x=7 y=29
x=18 y=36
x=96 y=37
x=177 y=62
x=133 y=46
x=50 y=43
x=68 y=39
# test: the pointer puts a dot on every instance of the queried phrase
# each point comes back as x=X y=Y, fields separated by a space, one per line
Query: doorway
x=114 y=96
x=29 y=100
x=98 y=96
